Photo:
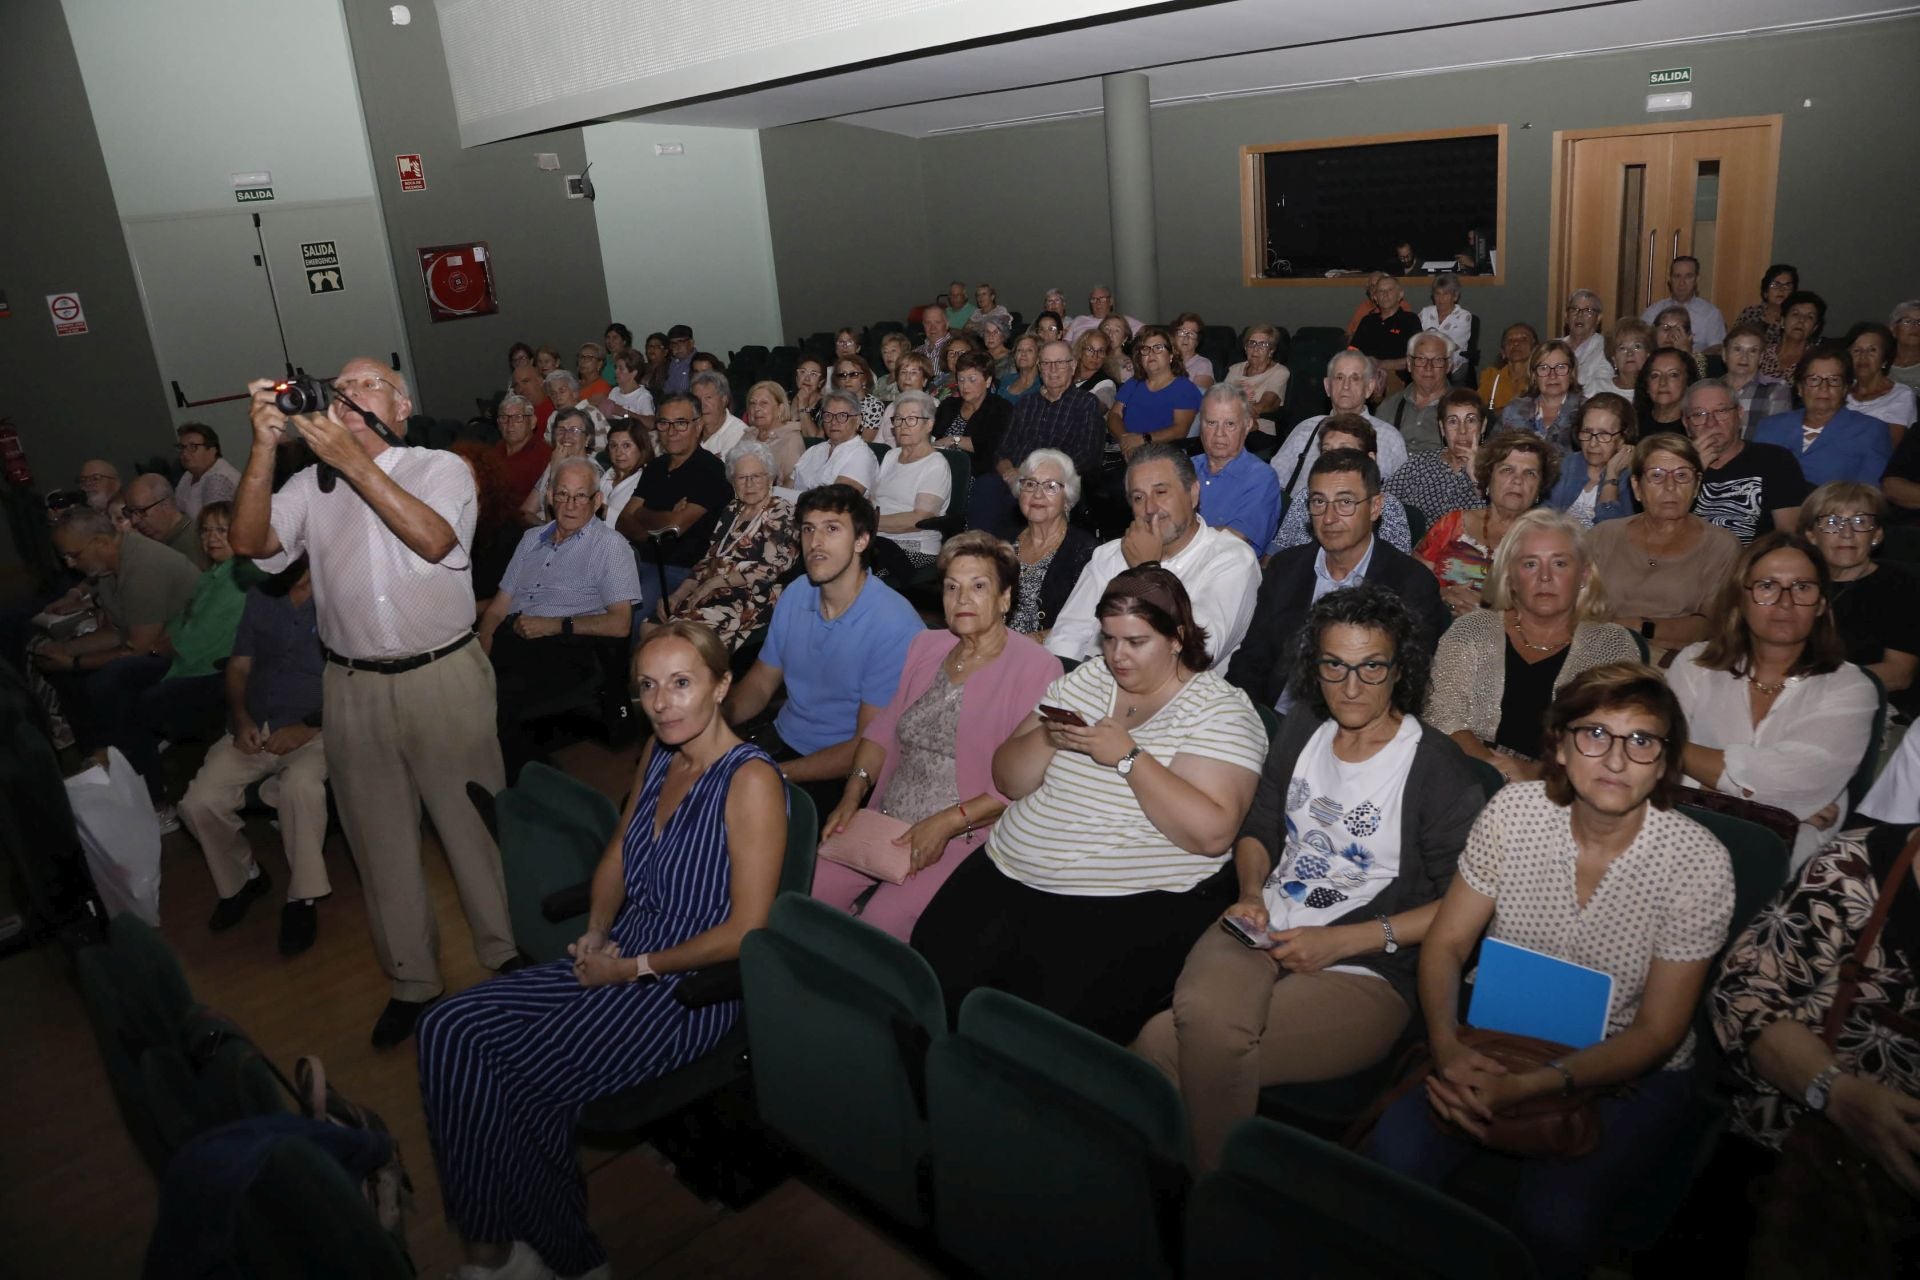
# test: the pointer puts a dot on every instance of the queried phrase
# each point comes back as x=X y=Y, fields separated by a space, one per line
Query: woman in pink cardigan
x=928 y=758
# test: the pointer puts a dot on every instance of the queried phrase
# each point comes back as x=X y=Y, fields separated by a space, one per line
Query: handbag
x=867 y=846
x=1827 y=1208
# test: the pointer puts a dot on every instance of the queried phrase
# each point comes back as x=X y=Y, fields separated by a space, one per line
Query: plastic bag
x=121 y=836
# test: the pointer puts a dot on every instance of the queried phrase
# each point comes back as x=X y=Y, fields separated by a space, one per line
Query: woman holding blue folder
x=1593 y=866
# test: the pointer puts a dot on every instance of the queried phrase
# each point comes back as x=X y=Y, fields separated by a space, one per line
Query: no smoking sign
x=68 y=317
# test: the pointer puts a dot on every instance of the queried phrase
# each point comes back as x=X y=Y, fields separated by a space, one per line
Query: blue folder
x=1530 y=993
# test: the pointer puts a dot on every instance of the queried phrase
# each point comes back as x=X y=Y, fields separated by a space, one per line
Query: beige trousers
x=395 y=742
x=298 y=789
x=1239 y=1022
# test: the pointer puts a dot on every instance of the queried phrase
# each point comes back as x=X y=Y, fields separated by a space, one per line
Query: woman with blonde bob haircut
x=1547 y=620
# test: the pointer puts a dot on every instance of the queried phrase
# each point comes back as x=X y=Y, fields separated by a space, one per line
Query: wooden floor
x=75 y=1200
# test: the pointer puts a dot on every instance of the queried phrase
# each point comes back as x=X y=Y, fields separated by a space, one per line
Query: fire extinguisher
x=13 y=456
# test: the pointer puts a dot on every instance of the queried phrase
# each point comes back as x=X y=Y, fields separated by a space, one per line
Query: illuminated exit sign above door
x=1672 y=75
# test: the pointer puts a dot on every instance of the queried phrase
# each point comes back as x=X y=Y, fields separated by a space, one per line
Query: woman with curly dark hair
x=496 y=533
x=1354 y=831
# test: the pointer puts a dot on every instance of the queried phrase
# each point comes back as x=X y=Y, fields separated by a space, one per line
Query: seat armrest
x=564 y=904
x=712 y=985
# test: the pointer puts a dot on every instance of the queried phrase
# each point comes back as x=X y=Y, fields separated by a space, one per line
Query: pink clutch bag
x=867 y=846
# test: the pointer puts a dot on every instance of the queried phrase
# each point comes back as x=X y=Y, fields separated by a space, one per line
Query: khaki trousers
x=298 y=789
x=393 y=743
x=1239 y=1022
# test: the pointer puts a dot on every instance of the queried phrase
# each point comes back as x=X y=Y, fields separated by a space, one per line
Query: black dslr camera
x=301 y=393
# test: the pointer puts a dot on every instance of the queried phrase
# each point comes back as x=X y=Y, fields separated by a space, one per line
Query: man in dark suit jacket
x=1343 y=502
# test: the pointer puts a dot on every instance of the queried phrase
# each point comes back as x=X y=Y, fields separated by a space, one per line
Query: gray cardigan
x=1443 y=797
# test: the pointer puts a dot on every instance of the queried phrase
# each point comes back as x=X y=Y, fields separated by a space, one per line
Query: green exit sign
x=1672 y=75
x=248 y=195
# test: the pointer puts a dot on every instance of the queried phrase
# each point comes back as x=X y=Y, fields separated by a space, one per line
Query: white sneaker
x=169 y=817
x=522 y=1264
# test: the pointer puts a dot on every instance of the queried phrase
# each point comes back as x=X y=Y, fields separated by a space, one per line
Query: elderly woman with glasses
x=1260 y=378
x=1594 y=487
x=572 y=429
x=1552 y=403
x=1547 y=619
x=1876 y=607
x=1779 y=282
x=1188 y=329
x=1664 y=566
x=1446 y=317
x=1440 y=481
x=734 y=587
x=843 y=457
x=1831 y=441
x=915 y=483
x=1591 y=865
x=1759 y=395
x=1628 y=347
x=1049 y=551
x=851 y=373
x=1778 y=713
x=1803 y=319
x=1513 y=471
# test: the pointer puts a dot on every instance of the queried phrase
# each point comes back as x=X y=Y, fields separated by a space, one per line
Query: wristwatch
x=1393 y=943
x=1820 y=1088
x=1124 y=765
x=864 y=777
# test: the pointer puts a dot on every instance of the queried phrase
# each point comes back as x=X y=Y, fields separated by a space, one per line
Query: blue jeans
x=1560 y=1208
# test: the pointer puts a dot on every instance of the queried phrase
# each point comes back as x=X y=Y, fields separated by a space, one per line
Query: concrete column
x=1136 y=263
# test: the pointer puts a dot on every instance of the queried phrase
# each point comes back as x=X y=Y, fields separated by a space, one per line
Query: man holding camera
x=408 y=695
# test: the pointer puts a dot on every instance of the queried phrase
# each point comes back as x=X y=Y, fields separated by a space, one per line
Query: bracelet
x=1566 y=1078
x=968 y=828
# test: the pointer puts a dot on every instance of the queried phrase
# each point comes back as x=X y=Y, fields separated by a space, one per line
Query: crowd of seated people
x=1400 y=590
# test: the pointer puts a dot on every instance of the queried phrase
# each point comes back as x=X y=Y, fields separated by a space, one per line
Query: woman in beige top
x=1664 y=566
x=1497 y=669
x=771 y=424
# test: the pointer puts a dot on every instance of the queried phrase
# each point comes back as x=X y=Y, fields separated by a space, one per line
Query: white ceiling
x=1192 y=55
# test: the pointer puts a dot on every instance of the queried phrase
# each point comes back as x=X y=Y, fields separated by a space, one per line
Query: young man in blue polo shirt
x=838 y=639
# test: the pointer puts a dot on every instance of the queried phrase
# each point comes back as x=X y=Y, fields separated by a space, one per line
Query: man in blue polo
x=837 y=641
x=1238 y=492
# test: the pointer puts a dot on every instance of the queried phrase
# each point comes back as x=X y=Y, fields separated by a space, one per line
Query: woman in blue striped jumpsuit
x=506 y=1066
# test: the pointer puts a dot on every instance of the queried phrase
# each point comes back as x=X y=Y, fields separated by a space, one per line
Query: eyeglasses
x=1583 y=311
x=838 y=419
x=1473 y=420
x=1429 y=362
x=1671 y=327
x=1829 y=380
x=1594 y=741
x=1048 y=487
x=1906 y=320
x=134 y=512
x=1859 y=522
x=1779 y=284
x=1346 y=504
x=574 y=429
x=367 y=386
x=563 y=499
x=675 y=422
x=1553 y=370
x=1372 y=671
x=1259 y=346
x=1056 y=364
x=1804 y=592
x=1629 y=346
x=902 y=418
x=1151 y=348
x=1597 y=436
x=1727 y=413
x=96 y=477
x=1678 y=477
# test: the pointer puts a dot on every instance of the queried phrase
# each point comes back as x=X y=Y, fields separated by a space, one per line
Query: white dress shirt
x=219 y=484
x=721 y=442
x=1594 y=372
x=1709 y=326
x=374 y=598
x=826 y=462
x=1219 y=571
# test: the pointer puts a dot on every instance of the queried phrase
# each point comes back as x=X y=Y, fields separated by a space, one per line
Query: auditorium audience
x=1759 y=395
x=1160 y=402
x=1875 y=606
x=1350 y=379
x=1343 y=502
x=914 y=483
x=892 y=347
x=733 y=588
x=693 y=869
x=1120 y=340
x=1345 y=431
x=1446 y=317
x=1673 y=328
x=1745 y=486
x=927 y=759
x=769 y=424
x=974 y=420
x=1051 y=552
x=1665 y=566
x=1905 y=323
x=1628 y=348
x=571 y=583
x=1383 y=334
x=530 y=385
x=1261 y=378
x=1514 y=471
x=150 y=509
x=1501 y=383
x=1593 y=486
x=1777 y=713
x=1870 y=347
x=720 y=430
x=1414 y=410
x=1662 y=386
x=1050 y=326
x=987 y=309
x=843 y=457
x=1593 y=866
x=1829 y=440
x=1497 y=669
x=1352 y=837
x=809 y=385
x=272 y=689
x=914 y=372
x=571 y=431
x=1703 y=319
x=1100 y=308
x=1059 y=415
x=994 y=337
x=523 y=451
x=206 y=476
x=671 y=516
x=1238 y=492
x=1802 y=321
x=587 y=364
x=1217 y=571
x=563 y=389
x=1023 y=373
x=1114 y=853
x=1187 y=331
x=1441 y=480
x=626 y=455
x=1090 y=352
x=836 y=642
x=1778 y=282
x=1552 y=403
x=852 y=373
x=1591 y=371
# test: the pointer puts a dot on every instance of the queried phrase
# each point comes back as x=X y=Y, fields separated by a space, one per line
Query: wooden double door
x=1626 y=202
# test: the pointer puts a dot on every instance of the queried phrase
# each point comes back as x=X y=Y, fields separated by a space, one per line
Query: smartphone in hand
x=1247 y=935
x=1062 y=715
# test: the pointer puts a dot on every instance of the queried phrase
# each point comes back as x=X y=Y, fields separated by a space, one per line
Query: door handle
x=1652 y=239
x=1676 y=248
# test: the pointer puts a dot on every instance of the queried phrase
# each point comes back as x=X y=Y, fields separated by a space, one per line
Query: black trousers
x=535 y=679
x=824 y=793
x=1108 y=964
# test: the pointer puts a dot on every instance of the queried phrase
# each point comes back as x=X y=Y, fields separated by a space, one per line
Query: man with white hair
x=1238 y=492
x=407 y=697
x=99 y=480
x=569 y=581
x=1414 y=409
x=1384 y=334
x=1595 y=372
x=205 y=475
x=720 y=430
x=1350 y=376
x=1099 y=307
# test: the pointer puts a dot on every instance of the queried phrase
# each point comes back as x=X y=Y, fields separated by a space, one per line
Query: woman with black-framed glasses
x=1778 y=713
x=1592 y=865
x=1351 y=840
x=1878 y=613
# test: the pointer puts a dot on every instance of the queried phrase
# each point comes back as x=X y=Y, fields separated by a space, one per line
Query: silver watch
x=1124 y=765
x=1393 y=943
x=1820 y=1088
x=864 y=776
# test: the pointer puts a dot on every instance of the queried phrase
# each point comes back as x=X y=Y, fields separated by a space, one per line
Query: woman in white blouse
x=1778 y=714
x=1447 y=317
x=844 y=457
x=628 y=455
x=915 y=482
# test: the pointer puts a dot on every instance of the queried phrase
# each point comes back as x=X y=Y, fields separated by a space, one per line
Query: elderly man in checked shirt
x=408 y=695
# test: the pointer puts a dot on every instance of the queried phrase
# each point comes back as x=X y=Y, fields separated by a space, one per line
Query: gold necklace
x=1768 y=689
x=1520 y=632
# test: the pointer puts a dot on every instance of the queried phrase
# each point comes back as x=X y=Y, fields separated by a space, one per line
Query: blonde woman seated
x=1497 y=669
x=1778 y=714
x=770 y=422
x=928 y=758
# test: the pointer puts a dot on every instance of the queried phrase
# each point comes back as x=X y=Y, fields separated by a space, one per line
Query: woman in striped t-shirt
x=1113 y=855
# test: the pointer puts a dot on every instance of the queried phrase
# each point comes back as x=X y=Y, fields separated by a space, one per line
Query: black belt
x=394 y=666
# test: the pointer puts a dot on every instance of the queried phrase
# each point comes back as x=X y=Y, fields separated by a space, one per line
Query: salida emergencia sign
x=1671 y=76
